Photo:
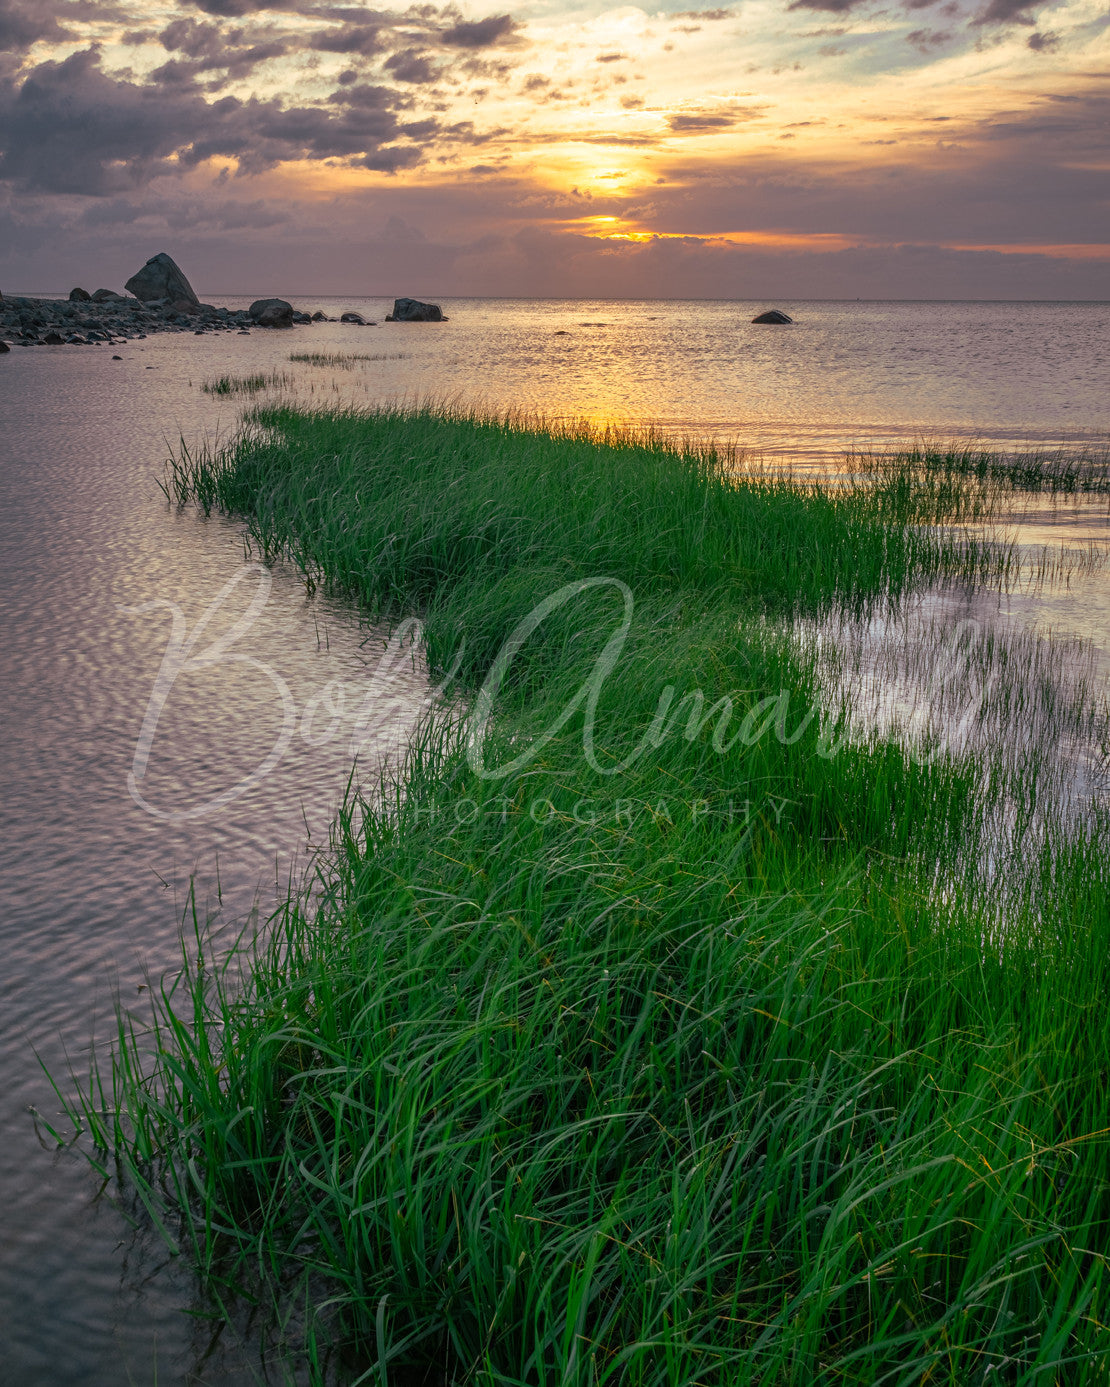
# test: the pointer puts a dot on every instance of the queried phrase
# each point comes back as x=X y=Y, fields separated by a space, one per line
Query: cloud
x=22 y=24
x=827 y=6
x=366 y=96
x=71 y=128
x=195 y=40
x=1043 y=43
x=360 y=38
x=411 y=65
x=710 y=122
x=928 y=39
x=1005 y=12
x=482 y=33
x=236 y=9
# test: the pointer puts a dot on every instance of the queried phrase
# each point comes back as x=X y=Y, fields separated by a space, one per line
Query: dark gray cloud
x=1043 y=43
x=194 y=39
x=1005 y=12
x=411 y=65
x=928 y=40
x=72 y=128
x=69 y=128
x=709 y=122
x=365 y=39
x=827 y=6
x=366 y=96
x=481 y=33
x=236 y=9
x=24 y=22
x=699 y=124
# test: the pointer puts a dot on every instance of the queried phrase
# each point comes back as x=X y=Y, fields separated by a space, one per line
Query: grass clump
x=346 y=360
x=247 y=385
x=641 y=1032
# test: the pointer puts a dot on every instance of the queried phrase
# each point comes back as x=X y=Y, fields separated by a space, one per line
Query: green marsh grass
x=346 y=360
x=247 y=385
x=670 y=1064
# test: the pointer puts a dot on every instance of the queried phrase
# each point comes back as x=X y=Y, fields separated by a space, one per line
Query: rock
x=413 y=311
x=319 y=317
x=352 y=317
x=117 y=358
x=271 y=313
x=107 y=295
x=54 y=339
x=4 y=347
x=160 y=278
x=182 y=307
x=79 y=296
x=301 y=318
x=773 y=315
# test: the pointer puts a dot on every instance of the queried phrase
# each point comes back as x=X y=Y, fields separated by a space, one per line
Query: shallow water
x=842 y=375
x=95 y=870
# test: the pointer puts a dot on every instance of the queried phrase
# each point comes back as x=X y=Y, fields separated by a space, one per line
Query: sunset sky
x=771 y=148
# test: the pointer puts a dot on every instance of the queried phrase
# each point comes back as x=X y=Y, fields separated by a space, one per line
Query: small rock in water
x=773 y=315
x=413 y=311
x=4 y=347
x=352 y=317
x=272 y=313
x=117 y=358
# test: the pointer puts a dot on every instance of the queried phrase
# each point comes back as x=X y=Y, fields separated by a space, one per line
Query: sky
x=769 y=149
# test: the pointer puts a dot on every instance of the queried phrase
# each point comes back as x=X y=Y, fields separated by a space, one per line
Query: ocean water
x=130 y=771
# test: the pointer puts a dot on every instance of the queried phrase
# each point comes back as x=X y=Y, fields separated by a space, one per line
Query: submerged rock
x=271 y=313
x=161 y=278
x=773 y=315
x=413 y=311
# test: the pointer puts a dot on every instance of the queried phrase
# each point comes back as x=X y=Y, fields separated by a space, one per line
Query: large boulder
x=413 y=311
x=773 y=315
x=79 y=296
x=160 y=278
x=271 y=313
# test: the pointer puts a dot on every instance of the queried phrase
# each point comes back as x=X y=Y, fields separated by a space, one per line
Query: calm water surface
x=244 y=760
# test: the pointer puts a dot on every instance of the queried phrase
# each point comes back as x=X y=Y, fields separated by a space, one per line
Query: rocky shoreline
x=27 y=322
x=161 y=300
